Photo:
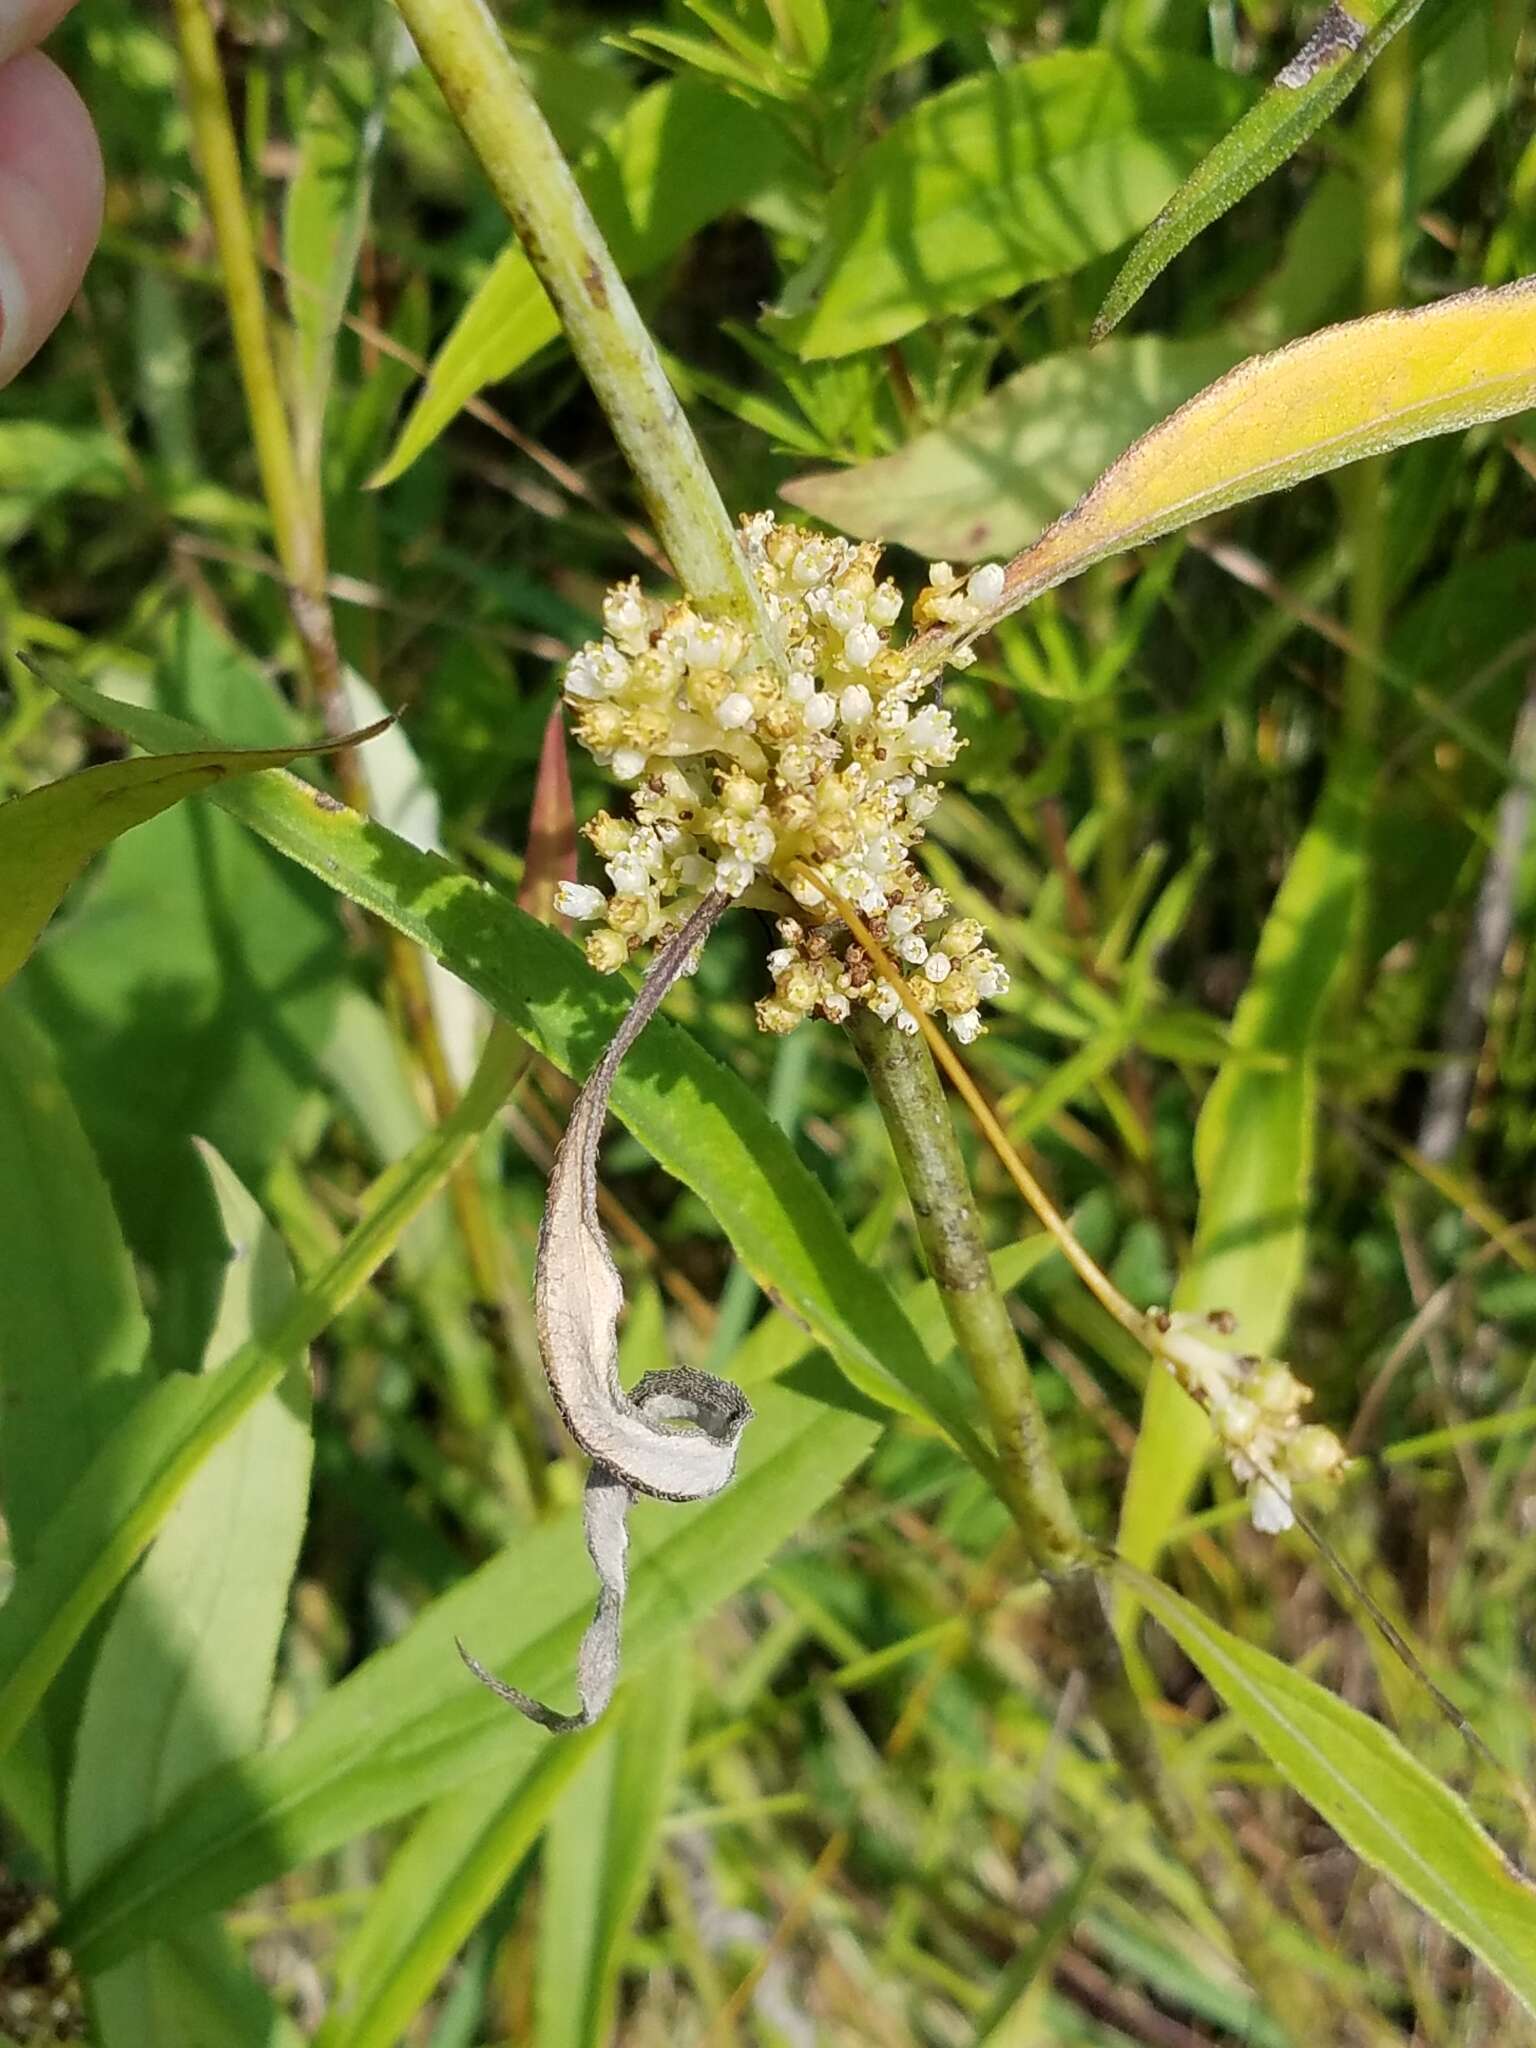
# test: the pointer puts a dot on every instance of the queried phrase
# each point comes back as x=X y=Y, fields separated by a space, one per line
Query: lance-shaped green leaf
x=1322 y=74
x=1000 y=181
x=48 y=835
x=1361 y=388
x=1386 y=1805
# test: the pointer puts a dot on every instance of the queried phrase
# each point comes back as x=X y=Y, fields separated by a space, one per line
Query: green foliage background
x=872 y=240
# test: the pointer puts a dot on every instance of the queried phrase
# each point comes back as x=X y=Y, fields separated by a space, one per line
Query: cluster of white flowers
x=1255 y=1408
x=744 y=769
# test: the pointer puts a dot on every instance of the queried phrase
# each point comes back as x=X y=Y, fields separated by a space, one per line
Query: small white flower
x=628 y=764
x=986 y=584
x=932 y=732
x=594 y=671
x=628 y=874
x=579 y=900
x=860 y=646
x=936 y=967
x=624 y=616
x=781 y=959
x=1271 y=1509
x=905 y=1021
x=821 y=711
x=735 y=711
x=932 y=905
x=885 y=1002
x=855 y=705
x=733 y=874
x=836 y=1008
x=966 y=1026
x=805 y=892
x=799 y=686
x=703 y=645
x=884 y=608
x=913 y=949
x=755 y=841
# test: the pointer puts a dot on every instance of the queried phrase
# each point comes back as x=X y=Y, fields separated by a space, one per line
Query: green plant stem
x=500 y=119
x=297 y=513
x=906 y=1085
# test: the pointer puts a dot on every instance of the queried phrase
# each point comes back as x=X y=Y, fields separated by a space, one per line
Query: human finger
x=50 y=199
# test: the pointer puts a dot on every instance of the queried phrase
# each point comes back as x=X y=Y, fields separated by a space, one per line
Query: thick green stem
x=906 y=1085
x=501 y=121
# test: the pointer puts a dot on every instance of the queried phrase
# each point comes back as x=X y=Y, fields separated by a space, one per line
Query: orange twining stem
x=1093 y=1278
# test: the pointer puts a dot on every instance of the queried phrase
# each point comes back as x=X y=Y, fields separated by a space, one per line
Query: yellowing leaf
x=987 y=480
x=48 y=835
x=1354 y=390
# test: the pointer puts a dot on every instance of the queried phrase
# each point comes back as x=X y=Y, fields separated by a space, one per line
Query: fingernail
x=15 y=27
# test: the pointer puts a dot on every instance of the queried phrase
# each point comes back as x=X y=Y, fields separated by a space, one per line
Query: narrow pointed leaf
x=1319 y=78
x=1381 y=1800
x=1357 y=389
x=986 y=481
x=48 y=835
x=438 y=1886
x=598 y=1855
